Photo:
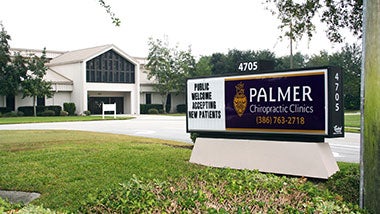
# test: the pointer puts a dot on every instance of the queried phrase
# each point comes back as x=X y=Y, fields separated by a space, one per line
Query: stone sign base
x=291 y=158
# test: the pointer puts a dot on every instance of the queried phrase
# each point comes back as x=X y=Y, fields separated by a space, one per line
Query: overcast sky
x=209 y=26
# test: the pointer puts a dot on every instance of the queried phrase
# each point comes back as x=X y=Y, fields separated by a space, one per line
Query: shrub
x=70 y=108
x=181 y=108
x=4 y=110
x=145 y=107
x=28 y=110
x=20 y=114
x=87 y=113
x=64 y=113
x=193 y=136
x=57 y=109
x=167 y=108
x=218 y=191
x=153 y=111
x=10 y=114
x=48 y=113
x=346 y=182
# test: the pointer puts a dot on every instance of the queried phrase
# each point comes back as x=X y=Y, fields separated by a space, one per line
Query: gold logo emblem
x=240 y=100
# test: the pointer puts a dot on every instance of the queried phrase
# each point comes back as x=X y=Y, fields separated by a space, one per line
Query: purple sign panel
x=293 y=102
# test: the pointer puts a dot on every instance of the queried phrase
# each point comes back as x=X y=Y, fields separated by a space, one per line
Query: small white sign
x=109 y=107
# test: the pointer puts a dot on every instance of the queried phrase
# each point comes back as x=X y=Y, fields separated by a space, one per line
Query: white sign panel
x=205 y=104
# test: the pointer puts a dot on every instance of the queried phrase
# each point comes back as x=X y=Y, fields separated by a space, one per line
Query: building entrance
x=95 y=104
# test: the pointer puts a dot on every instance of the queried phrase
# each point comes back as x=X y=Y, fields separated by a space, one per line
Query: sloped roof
x=56 y=77
x=79 y=55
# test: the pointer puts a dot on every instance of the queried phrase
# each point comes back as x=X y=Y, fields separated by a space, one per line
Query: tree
x=349 y=59
x=168 y=68
x=34 y=85
x=116 y=21
x=8 y=81
x=298 y=61
x=370 y=145
x=297 y=18
x=202 y=67
x=336 y=14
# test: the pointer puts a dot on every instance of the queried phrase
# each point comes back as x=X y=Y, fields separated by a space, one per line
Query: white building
x=91 y=76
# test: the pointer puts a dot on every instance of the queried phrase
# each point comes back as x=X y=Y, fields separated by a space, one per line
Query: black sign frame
x=335 y=111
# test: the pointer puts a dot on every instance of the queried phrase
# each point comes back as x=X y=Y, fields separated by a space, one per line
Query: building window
x=148 y=98
x=40 y=101
x=111 y=65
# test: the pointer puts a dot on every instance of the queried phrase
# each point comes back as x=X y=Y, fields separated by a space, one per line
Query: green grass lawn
x=97 y=172
x=19 y=120
x=352 y=123
x=352 y=120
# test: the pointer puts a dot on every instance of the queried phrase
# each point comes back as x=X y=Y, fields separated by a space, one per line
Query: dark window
x=148 y=98
x=40 y=101
x=111 y=65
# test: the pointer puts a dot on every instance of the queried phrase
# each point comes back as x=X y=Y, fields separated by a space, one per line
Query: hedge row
x=28 y=110
x=144 y=108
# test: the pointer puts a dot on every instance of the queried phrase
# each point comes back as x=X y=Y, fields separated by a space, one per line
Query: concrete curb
x=18 y=196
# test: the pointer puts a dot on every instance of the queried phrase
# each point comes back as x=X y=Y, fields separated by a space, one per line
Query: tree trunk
x=164 y=97
x=370 y=158
x=34 y=106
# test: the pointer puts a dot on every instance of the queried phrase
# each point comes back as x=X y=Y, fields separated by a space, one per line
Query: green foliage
x=6 y=207
x=349 y=60
x=87 y=113
x=12 y=69
x=48 y=113
x=228 y=63
x=299 y=61
x=153 y=111
x=145 y=107
x=193 y=136
x=33 y=85
x=70 y=108
x=65 y=166
x=298 y=17
x=64 y=113
x=28 y=110
x=115 y=20
x=168 y=68
x=346 y=182
x=4 y=110
x=202 y=67
x=10 y=114
x=82 y=170
x=218 y=190
x=181 y=108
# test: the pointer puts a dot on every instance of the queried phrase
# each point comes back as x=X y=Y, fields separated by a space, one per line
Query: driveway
x=345 y=149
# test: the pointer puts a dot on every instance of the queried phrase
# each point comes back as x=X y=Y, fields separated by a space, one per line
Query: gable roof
x=82 y=55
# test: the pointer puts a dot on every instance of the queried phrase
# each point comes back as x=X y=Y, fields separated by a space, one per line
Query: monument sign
x=242 y=118
x=300 y=102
